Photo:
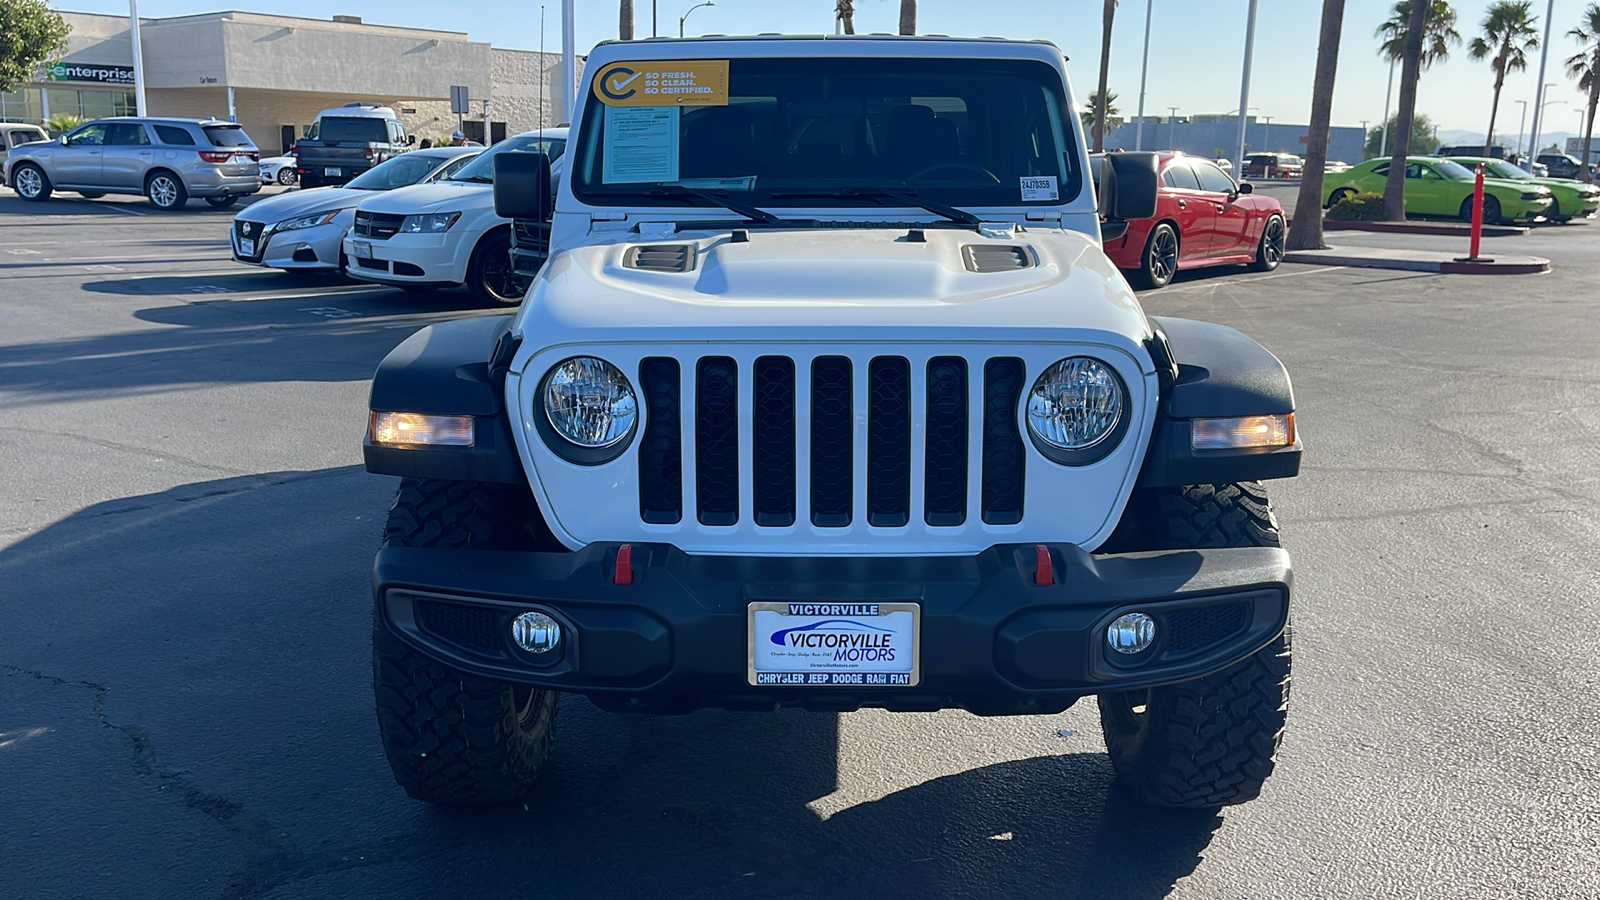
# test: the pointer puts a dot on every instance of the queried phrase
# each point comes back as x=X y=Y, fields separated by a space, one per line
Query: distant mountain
x=1546 y=138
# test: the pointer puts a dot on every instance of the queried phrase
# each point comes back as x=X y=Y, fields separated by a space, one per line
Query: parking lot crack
x=158 y=455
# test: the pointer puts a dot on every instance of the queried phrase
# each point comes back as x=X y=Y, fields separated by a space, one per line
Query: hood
x=291 y=204
x=438 y=196
x=878 y=283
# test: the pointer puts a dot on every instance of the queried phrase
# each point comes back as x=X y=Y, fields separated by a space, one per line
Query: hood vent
x=985 y=258
x=660 y=258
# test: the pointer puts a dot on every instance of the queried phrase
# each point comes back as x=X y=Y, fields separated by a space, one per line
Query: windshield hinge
x=1043 y=216
x=609 y=215
x=1003 y=230
x=657 y=229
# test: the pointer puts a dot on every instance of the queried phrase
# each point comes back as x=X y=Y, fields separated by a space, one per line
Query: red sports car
x=1202 y=219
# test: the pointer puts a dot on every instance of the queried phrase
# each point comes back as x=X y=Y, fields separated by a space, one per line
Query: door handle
x=1221 y=207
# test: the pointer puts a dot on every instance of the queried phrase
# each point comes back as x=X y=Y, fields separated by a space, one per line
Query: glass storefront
x=28 y=104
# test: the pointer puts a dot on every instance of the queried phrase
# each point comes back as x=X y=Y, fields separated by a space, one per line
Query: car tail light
x=255 y=155
x=367 y=152
x=215 y=156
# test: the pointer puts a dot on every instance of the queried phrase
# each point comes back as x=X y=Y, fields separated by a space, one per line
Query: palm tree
x=908 y=16
x=1307 y=231
x=625 y=20
x=1439 y=33
x=845 y=11
x=1585 y=66
x=1108 y=14
x=1508 y=35
x=1098 y=117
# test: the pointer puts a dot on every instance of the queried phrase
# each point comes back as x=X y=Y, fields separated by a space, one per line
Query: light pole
x=138 y=58
x=569 y=61
x=1266 y=134
x=1144 y=67
x=1172 y=128
x=1383 y=143
x=1522 y=129
x=685 y=16
x=1538 y=100
x=1244 y=79
x=653 y=29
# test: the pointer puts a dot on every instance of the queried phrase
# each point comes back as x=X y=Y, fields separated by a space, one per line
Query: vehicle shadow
x=199 y=657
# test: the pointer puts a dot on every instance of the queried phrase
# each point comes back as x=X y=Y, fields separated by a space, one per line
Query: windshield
x=481 y=170
x=1499 y=168
x=349 y=128
x=1453 y=170
x=402 y=170
x=820 y=132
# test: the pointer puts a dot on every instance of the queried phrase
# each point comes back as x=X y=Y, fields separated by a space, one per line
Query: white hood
x=438 y=196
x=793 y=285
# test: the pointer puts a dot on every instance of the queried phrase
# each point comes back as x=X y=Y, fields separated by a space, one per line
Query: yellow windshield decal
x=678 y=82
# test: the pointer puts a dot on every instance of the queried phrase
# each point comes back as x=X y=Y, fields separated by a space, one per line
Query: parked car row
x=420 y=221
x=1436 y=186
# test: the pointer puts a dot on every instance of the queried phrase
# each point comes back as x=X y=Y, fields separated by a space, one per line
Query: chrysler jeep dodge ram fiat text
x=827 y=396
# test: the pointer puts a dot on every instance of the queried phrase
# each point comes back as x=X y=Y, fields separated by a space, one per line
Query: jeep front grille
x=814 y=431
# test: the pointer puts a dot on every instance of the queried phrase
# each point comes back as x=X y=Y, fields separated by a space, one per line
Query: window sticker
x=641 y=144
x=672 y=82
x=1039 y=187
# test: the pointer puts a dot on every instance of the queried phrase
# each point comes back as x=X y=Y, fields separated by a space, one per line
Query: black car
x=1561 y=165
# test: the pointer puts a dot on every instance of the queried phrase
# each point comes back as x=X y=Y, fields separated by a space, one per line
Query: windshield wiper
x=753 y=213
x=909 y=195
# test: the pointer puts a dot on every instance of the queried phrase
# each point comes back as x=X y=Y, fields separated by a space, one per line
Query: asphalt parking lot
x=185 y=683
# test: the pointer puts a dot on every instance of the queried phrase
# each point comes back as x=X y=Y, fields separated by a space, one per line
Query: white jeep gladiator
x=826 y=396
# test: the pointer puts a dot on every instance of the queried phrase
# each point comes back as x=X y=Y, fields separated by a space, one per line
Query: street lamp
x=1172 y=128
x=1144 y=68
x=1522 y=129
x=685 y=16
x=1266 y=134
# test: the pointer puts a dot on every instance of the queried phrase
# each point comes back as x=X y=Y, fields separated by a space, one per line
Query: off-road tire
x=1158 y=263
x=23 y=185
x=1212 y=741
x=451 y=738
x=1270 y=249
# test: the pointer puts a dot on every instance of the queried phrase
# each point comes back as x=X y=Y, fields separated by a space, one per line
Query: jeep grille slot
x=984 y=258
x=889 y=442
x=660 y=258
x=945 y=483
x=716 y=440
x=832 y=443
x=773 y=442
x=661 y=448
x=1003 y=456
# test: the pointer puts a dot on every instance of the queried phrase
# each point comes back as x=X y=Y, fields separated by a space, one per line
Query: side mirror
x=1128 y=186
x=410 y=139
x=62 y=140
x=1246 y=187
x=522 y=186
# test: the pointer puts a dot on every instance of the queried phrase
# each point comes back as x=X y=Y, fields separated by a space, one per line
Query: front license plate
x=332 y=171
x=363 y=249
x=247 y=246
x=834 y=644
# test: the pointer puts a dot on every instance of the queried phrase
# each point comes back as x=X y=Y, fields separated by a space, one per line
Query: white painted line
x=118 y=208
x=1213 y=284
x=331 y=312
x=22 y=251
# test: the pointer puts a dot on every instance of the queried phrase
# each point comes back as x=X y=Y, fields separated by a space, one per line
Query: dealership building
x=273 y=74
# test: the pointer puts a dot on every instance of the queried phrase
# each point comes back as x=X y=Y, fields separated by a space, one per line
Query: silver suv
x=166 y=160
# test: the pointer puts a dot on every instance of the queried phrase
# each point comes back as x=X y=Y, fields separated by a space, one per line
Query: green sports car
x=1439 y=187
x=1573 y=199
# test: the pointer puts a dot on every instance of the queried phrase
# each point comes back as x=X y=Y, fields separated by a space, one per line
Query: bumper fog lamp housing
x=1131 y=634
x=1245 y=433
x=403 y=429
x=536 y=632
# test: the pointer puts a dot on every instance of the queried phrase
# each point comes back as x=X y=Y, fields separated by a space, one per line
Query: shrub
x=1358 y=208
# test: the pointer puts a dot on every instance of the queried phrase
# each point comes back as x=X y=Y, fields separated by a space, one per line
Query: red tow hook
x=624 y=568
x=1044 y=570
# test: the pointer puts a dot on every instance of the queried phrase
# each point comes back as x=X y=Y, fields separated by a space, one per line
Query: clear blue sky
x=1196 y=46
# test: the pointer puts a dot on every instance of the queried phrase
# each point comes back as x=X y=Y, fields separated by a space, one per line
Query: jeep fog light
x=1132 y=633
x=402 y=429
x=536 y=632
x=1247 y=433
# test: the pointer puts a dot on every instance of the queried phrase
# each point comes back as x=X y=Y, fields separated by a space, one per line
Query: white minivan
x=446 y=234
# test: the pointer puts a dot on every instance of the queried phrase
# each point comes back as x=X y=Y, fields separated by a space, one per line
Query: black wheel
x=1160 y=260
x=491 y=278
x=91 y=195
x=1340 y=194
x=1555 y=215
x=224 y=201
x=419 y=288
x=286 y=175
x=1270 y=251
x=1212 y=741
x=1491 y=209
x=452 y=738
x=30 y=182
x=165 y=191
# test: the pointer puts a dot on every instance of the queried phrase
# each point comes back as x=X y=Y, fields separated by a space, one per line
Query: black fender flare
x=1213 y=371
x=457 y=369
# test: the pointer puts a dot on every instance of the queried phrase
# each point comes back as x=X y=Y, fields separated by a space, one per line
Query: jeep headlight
x=311 y=221
x=588 y=404
x=432 y=223
x=1077 y=411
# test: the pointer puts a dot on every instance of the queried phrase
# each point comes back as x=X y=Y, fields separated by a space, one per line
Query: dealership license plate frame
x=806 y=677
x=363 y=249
x=247 y=247
x=333 y=172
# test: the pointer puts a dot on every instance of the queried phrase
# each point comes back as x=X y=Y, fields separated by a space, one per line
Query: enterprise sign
x=60 y=71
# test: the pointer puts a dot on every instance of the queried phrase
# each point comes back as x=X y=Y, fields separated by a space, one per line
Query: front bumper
x=407 y=259
x=315 y=248
x=992 y=641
